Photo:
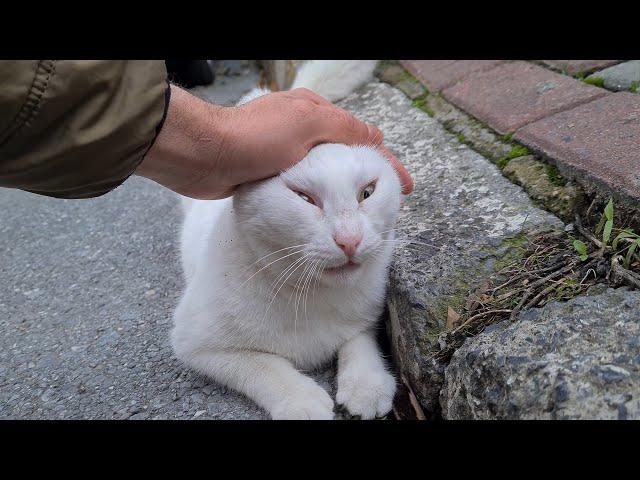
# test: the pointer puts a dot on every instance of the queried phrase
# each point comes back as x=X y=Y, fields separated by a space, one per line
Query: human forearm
x=77 y=129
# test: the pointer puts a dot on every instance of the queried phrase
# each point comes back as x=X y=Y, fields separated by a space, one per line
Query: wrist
x=188 y=149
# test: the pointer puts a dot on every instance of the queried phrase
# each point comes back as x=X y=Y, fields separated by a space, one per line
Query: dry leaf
x=452 y=317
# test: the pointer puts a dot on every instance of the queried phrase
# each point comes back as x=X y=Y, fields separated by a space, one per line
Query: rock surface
x=620 y=77
x=397 y=76
x=573 y=360
x=466 y=216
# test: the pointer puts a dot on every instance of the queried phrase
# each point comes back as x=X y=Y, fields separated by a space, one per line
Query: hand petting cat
x=205 y=151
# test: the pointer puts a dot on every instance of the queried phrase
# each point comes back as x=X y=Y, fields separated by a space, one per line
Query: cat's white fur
x=255 y=313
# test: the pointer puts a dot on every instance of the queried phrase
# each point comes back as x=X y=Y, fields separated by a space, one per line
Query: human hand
x=204 y=150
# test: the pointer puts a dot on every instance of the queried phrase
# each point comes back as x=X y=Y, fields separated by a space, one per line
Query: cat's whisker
x=304 y=284
x=296 y=285
x=299 y=289
x=395 y=229
x=311 y=277
x=273 y=253
x=284 y=271
x=320 y=271
x=281 y=276
x=269 y=264
x=283 y=283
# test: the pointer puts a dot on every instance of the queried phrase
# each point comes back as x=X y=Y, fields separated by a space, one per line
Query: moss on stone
x=635 y=85
x=393 y=73
x=512 y=249
x=421 y=103
x=544 y=184
x=595 y=81
x=554 y=176
x=516 y=151
x=465 y=282
x=507 y=138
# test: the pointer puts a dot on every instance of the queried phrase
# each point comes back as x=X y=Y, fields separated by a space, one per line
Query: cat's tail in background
x=334 y=79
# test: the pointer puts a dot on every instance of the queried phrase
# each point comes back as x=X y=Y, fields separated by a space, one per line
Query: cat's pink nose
x=348 y=243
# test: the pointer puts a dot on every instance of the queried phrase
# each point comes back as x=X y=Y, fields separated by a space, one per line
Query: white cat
x=293 y=269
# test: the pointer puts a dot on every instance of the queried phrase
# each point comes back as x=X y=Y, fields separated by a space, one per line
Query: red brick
x=598 y=142
x=579 y=66
x=439 y=74
x=514 y=94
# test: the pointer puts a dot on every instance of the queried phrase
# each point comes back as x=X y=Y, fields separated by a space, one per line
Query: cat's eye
x=367 y=191
x=306 y=198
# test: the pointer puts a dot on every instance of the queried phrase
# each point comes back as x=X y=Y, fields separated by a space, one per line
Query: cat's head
x=336 y=210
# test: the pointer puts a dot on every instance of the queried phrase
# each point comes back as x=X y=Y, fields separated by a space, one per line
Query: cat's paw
x=368 y=394
x=309 y=401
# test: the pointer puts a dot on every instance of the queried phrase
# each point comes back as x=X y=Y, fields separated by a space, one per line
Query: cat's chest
x=312 y=335
x=313 y=342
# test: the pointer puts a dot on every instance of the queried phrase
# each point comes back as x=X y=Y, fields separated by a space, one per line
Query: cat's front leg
x=365 y=387
x=269 y=380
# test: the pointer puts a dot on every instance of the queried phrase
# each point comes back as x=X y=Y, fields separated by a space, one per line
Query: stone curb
x=464 y=219
x=456 y=196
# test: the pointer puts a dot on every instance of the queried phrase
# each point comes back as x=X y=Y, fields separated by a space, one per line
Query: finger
x=335 y=125
x=405 y=179
x=374 y=135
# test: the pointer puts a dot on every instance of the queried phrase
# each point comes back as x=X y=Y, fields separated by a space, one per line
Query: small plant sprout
x=632 y=248
x=581 y=248
x=626 y=236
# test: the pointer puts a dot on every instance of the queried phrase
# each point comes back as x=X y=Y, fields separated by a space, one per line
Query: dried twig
x=479 y=315
x=632 y=279
x=587 y=234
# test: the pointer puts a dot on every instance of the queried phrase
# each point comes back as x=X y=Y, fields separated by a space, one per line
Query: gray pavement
x=87 y=288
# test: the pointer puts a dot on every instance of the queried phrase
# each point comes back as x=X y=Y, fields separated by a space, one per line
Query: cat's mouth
x=345 y=267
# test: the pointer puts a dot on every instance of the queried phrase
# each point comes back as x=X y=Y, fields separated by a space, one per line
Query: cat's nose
x=348 y=243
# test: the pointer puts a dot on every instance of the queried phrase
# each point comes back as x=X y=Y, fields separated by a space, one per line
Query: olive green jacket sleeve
x=77 y=129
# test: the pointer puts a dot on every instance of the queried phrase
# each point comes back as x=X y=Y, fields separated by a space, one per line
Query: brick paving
x=574 y=67
x=512 y=95
x=599 y=141
x=591 y=133
x=439 y=74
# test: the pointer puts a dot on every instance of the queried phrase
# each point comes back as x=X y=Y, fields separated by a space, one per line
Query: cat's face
x=335 y=208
